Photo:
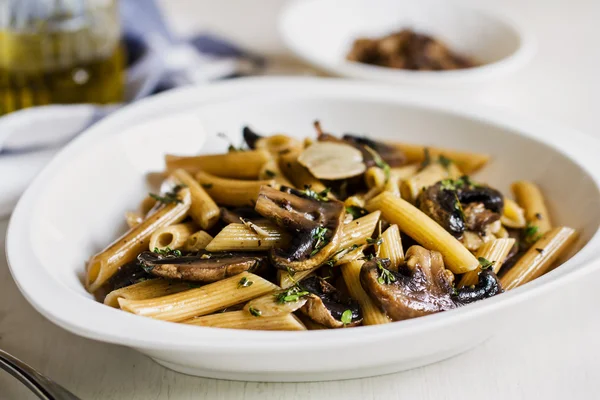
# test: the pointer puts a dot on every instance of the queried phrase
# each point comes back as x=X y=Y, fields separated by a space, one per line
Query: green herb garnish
x=320 y=241
x=380 y=163
x=167 y=251
x=169 y=197
x=444 y=161
x=485 y=263
x=244 y=282
x=385 y=276
x=346 y=317
x=531 y=234
x=291 y=294
x=254 y=311
x=356 y=211
x=319 y=196
x=375 y=241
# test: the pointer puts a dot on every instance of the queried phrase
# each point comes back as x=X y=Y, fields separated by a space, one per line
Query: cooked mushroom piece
x=421 y=286
x=390 y=154
x=204 y=267
x=442 y=206
x=327 y=306
x=332 y=160
x=315 y=222
x=250 y=137
x=127 y=275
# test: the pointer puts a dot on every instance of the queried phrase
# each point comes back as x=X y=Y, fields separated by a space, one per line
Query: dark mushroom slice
x=326 y=305
x=316 y=226
x=443 y=206
x=250 y=137
x=478 y=218
x=390 y=154
x=204 y=267
x=489 y=197
x=421 y=286
x=127 y=275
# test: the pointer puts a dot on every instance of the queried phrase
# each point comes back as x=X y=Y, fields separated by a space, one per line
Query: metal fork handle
x=41 y=386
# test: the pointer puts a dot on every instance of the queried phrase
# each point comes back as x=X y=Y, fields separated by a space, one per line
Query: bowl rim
x=94 y=320
x=518 y=58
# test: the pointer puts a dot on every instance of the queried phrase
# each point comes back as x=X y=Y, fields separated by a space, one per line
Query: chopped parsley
x=169 y=197
x=319 y=196
x=244 y=282
x=444 y=161
x=207 y=185
x=356 y=211
x=380 y=163
x=385 y=276
x=346 y=317
x=375 y=241
x=254 y=311
x=320 y=241
x=531 y=234
x=485 y=263
x=290 y=295
x=167 y=251
x=270 y=173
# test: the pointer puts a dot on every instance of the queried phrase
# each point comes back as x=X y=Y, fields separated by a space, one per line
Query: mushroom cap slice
x=488 y=286
x=316 y=226
x=326 y=304
x=332 y=160
x=199 y=268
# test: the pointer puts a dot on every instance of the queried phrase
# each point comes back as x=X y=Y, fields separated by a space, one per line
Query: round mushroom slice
x=327 y=306
x=199 y=268
x=332 y=160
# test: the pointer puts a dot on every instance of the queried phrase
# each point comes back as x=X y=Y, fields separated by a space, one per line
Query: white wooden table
x=552 y=353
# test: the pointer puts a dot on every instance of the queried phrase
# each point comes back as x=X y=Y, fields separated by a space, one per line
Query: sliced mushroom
x=127 y=275
x=205 y=267
x=332 y=160
x=478 y=218
x=326 y=305
x=390 y=154
x=443 y=207
x=422 y=285
x=316 y=226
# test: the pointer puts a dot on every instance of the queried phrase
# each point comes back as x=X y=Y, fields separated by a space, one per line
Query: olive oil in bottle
x=59 y=51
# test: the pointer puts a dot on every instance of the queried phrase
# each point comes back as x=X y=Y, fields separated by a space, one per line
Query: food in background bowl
x=291 y=235
x=410 y=50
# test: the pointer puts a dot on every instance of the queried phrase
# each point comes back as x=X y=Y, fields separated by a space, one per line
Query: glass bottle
x=59 y=51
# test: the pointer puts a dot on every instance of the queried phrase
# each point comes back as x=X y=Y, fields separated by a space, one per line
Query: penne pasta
x=133 y=218
x=235 y=164
x=278 y=144
x=148 y=289
x=405 y=172
x=430 y=175
x=146 y=205
x=231 y=192
x=466 y=161
x=513 y=216
x=271 y=171
x=495 y=252
x=372 y=315
x=425 y=231
x=268 y=306
x=200 y=301
x=203 y=210
x=240 y=237
x=375 y=178
x=172 y=237
x=391 y=247
x=244 y=320
x=539 y=258
x=197 y=241
x=125 y=249
x=297 y=174
x=354 y=201
x=530 y=197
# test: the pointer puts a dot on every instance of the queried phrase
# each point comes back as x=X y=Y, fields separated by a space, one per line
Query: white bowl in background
x=321 y=32
x=76 y=206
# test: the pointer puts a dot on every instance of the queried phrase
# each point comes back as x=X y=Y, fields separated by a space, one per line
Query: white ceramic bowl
x=321 y=32
x=76 y=205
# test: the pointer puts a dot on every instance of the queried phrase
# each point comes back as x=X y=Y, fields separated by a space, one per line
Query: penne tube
x=530 y=197
x=268 y=306
x=201 y=301
x=204 y=211
x=231 y=192
x=271 y=171
x=240 y=237
x=244 y=320
x=392 y=186
x=496 y=252
x=309 y=323
x=375 y=177
x=298 y=174
x=146 y=205
x=278 y=144
x=173 y=236
x=391 y=247
x=405 y=172
x=148 y=289
x=372 y=315
x=466 y=161
x=235 y=164
x=513 y=216
x=354 y=201
x=430 y=175
x=425 y=231
x=355 y=233
x=125 y=249
x=133 y=218
x=197 y=241
x=539 y=258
